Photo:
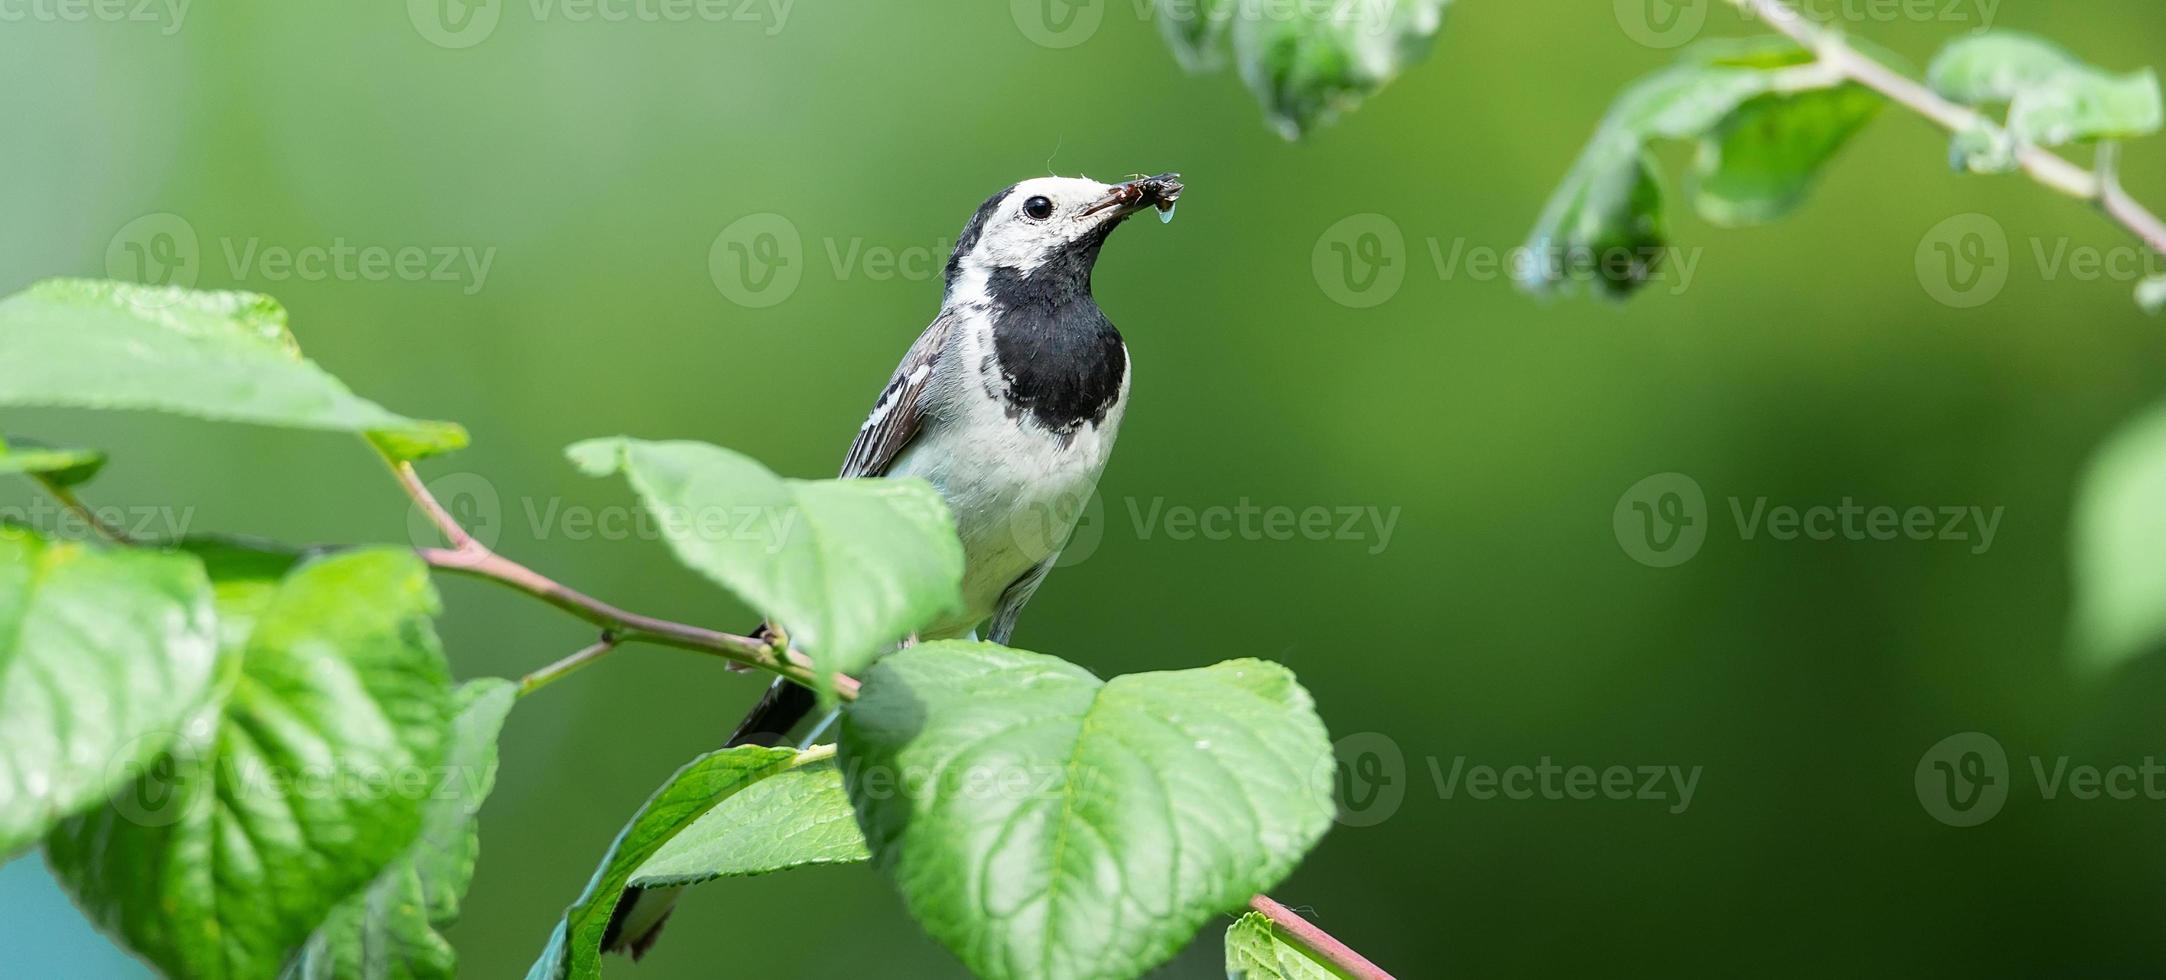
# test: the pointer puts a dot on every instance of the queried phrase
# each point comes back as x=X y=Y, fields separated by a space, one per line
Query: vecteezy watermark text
x=1662 y=521
x=1361 y=261
x=164 y=249
x=169 y=15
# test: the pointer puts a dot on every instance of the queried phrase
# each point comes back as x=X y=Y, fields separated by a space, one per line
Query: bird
x=1008 y=404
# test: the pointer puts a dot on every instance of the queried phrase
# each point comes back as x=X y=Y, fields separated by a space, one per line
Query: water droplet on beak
x=1165 y=215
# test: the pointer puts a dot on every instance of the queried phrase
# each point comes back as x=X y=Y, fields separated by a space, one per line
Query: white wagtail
x=1007 y=404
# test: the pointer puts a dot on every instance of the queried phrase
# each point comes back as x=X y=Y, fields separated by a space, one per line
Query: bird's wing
x=1012 y=601
x=895 y=418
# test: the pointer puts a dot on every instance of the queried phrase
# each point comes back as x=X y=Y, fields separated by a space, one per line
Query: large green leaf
x=1766 y=120
x=574 y=949
x=1042 y=823
x=217 y=355
x=1306 y=62
x=789 y=820
x=282 y=799
x=63 y=467
x=2119 y=544
x=388 y=932
x=1254 y=951
x=103 y=654
x=2052 y=98
x=849 y=567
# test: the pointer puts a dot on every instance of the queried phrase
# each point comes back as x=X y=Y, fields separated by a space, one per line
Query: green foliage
x=574 y=949
x=850 y=567
x=793 y=819
x=293 y=788
x=63 y=467
x=102 y=656
x=215 y=355
x=1306 y=62
x=2120 y=547
x=1254 y=951
x=1043 y=823
x=1766 y=120
x=388 y=931
x=2051 y=97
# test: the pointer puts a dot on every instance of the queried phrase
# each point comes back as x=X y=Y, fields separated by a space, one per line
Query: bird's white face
x=1049 y=221
x=1040 y=218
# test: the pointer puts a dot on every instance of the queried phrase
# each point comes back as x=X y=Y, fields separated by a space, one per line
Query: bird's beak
x=1145 y=192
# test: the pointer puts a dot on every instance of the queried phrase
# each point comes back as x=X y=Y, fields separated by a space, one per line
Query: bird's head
x=1047 y=230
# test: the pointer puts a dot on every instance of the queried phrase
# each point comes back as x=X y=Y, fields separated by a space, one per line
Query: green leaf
x=789 y=820
x=1309 y=62
x=1254 y=951
x=295 y=789
x=388 y=932
x=83 y=343
x=1042 y=823
x=1766 y=120
x=850 y=567
x=1196 y=31
x=1763 y=158
x=63 y=467
x=103 y=654
x=2052 y=98
x=574 y=949
x=2118 y=538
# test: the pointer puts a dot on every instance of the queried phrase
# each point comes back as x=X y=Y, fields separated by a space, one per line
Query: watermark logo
x=758 y=260
x=1963 y=261
x=1057 y=23
x=470 y=499
x=455 y=24
x=1368 y=778
x=156 y=250
x=1661 y=23
x=1962 y=781
x=1661 y=521
x=161 y=791
x=1067 y=528
x=1360 y=261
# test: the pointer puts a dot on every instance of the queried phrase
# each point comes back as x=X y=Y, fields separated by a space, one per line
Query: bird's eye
x=1038 y=208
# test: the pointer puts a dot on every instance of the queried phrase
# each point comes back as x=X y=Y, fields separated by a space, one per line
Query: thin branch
x=1319 y=943
x=82 y=511
x=563 y=668
x=2045 y=166
x=470 y=557
x=446 y=524
x=631 y=627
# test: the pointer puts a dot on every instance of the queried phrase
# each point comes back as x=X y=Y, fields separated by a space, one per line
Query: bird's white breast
x=1015 y=486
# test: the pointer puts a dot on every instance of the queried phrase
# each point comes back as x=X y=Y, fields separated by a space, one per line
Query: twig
x=631 y=627
x=1322 y=944
x=2047 y=167
x=470 y=557
x=82 y=511
x=558 y=671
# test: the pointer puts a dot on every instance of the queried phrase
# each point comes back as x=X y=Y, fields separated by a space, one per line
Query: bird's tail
x=641 y=913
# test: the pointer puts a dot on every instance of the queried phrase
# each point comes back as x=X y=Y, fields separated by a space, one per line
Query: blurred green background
x=1501 y=622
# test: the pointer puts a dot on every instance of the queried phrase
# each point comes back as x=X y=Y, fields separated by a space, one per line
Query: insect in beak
x=1145 y=192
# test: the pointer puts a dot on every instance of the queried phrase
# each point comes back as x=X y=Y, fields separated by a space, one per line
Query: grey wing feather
x=1012 y=601
x=901 y=410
